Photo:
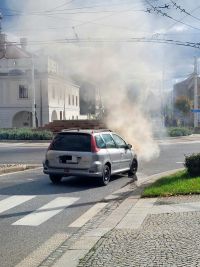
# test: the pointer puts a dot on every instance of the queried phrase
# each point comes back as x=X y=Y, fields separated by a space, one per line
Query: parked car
x=94 y=153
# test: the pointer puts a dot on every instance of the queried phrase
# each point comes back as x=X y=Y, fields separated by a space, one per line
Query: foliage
x=183 y=104
x=24 y=134
x=179 y=131
x=192 y=164
x=179 y=183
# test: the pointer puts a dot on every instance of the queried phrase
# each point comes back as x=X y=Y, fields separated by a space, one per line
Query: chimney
x=23 y=43
x=2 y=42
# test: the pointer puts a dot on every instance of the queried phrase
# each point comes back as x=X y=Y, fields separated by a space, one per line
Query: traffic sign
x=195 y=110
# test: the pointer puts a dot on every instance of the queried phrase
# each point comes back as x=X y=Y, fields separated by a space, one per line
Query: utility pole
x=1 y=18
x=33 y=93
x=195 y=77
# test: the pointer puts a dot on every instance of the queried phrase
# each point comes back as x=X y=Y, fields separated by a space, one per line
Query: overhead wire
x=193 y=10
x=155 y=9
x=110 y=40
x=184 y=11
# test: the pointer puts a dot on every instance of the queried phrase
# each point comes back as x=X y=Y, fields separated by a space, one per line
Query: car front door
x=125 y=153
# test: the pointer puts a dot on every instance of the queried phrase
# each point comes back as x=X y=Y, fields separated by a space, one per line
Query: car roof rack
x=87 y=130
x=101 y=130
x=70 y=129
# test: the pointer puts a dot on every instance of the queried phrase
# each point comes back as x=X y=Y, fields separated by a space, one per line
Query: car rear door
x=113 y=151
x=70 y=150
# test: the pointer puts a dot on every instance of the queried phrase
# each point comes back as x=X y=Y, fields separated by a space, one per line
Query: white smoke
x=126 y=73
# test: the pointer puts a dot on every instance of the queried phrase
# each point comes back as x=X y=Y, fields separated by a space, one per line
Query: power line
x=193 y=10
x=74 y=13
x=164 y=14
x=184 y=11
x=110 y=40
x=65 y=4
x=17 y=12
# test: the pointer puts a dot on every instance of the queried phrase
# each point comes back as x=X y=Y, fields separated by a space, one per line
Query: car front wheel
x=56 y=179
x=104 y=180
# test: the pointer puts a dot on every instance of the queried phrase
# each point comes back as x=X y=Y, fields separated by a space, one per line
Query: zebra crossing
x=46 y=212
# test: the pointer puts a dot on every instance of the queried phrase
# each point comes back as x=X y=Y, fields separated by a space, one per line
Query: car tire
x=56 y=179
x=106 y=173
x=133 y=168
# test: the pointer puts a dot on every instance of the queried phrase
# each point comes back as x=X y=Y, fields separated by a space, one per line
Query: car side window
x=100 y=142
x=109 y=141
x=119 y=141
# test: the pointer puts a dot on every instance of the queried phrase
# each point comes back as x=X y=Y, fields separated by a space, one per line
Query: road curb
x=17 y=168
x=26 y=141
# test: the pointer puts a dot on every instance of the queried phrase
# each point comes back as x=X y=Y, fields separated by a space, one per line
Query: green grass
x=179 y=183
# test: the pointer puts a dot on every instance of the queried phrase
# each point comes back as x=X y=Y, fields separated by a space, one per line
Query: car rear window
x=72 y=142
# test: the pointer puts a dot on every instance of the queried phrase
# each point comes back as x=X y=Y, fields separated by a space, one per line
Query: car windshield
x=72 y=142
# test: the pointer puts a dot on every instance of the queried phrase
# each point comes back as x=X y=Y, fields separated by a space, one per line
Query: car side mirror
x=128 y=146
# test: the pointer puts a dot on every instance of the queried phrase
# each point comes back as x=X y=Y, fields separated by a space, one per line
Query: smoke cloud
x=128 y=75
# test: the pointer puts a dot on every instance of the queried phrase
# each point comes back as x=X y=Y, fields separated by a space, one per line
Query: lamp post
x=33 y=93
x=195 y=76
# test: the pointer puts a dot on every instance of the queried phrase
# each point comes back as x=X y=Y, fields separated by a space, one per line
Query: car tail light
x=94 y=147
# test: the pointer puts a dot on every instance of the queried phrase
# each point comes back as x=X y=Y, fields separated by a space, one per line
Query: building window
x=77 y=101
x=73 y=100
x=23 y=91
x=69 y=100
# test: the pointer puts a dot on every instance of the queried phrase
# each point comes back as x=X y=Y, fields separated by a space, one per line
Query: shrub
x=179 y=131
x=24 y=134
x=192 y=164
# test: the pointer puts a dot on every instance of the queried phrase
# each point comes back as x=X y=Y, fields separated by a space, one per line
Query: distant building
x=90 y=100
x=186 y=88
x=56 y=97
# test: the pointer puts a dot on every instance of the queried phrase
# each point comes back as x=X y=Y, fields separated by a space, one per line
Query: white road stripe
x=46 y=212
x=88 y=215
x=13 y=201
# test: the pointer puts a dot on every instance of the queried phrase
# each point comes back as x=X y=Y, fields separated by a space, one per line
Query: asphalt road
x=23 y=193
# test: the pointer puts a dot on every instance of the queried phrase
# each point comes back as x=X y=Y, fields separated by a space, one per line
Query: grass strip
x=179 y=183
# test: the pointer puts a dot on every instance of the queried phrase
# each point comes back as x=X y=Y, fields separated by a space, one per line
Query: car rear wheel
x=133 y=168
x=56 y=179
x=104 y=180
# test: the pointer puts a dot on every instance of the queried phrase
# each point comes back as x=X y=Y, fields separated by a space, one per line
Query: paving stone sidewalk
x=158 y=232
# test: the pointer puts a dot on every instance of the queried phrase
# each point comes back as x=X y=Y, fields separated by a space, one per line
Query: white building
x=27 y=79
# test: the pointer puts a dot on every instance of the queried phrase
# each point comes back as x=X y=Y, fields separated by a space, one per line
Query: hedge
x=179 y=131
x=192 y=164
x=24 y=134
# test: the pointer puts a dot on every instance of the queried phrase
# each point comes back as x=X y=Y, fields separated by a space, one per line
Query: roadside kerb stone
x=25 y=141
x=9 y=168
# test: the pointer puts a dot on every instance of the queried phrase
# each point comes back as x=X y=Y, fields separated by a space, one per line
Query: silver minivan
x=95 y=153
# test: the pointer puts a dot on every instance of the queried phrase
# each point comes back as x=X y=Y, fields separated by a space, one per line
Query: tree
x=183 y=105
